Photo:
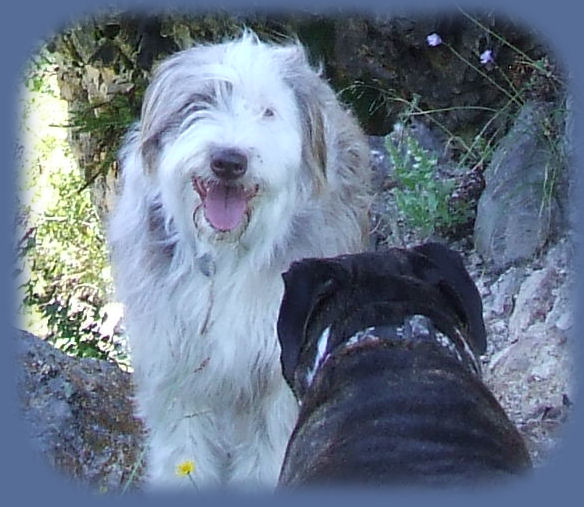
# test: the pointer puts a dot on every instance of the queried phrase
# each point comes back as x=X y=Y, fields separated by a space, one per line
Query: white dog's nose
x=229 y=163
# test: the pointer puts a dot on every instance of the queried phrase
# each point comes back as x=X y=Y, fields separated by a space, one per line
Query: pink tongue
x=225 y=206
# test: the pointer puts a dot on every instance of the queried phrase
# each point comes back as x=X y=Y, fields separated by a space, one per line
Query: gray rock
x=503 y=292
x=80 y=416
x=534 y=300
x=516 y=211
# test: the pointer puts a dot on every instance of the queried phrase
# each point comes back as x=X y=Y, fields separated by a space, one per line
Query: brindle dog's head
x=343 y=295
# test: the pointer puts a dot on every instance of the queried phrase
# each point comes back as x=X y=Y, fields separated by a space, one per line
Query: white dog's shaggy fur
x=243 y=162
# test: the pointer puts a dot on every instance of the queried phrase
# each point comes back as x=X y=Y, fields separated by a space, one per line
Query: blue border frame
x=25 y=476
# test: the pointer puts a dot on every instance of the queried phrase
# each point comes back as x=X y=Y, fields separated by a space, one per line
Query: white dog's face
x=223 y=132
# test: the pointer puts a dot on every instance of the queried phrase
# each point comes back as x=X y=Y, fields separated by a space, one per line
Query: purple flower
x=433 y=40
x=487 y=57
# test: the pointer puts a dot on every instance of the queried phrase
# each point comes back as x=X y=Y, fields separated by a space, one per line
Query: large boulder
x=517 y=209
x=80 y=416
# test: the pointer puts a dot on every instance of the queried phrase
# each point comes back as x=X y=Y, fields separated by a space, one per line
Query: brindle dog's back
x=398 y=400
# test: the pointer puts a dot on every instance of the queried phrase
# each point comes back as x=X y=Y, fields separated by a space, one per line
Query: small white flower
x=487 y=57
x=434 y=40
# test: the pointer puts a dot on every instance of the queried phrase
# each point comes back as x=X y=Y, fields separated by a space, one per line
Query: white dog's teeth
x=253 y=191
x=200 y=187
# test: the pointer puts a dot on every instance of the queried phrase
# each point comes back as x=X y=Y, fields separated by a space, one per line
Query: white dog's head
x=240 y=137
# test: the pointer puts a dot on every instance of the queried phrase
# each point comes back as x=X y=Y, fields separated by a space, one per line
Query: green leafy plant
x=69 y=282
x=421 y=195
x=107 y=124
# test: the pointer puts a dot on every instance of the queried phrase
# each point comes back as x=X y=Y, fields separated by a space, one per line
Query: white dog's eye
x=269 y=112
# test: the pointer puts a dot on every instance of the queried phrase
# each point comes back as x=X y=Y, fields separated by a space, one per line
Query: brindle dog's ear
x=452 y=279
x=305 y=284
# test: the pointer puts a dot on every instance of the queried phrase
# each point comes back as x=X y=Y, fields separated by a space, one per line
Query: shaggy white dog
x=243 y=162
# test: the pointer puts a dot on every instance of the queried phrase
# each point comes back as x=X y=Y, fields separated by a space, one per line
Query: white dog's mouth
x=226 y=205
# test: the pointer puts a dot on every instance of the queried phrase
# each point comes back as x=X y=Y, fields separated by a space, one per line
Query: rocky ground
x=528 y=316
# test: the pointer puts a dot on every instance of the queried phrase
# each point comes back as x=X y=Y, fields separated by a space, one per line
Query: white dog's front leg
x=186 y=442
x=258 y=460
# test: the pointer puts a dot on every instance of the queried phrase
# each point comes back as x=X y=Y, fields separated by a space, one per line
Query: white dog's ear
x=150 y=148
x=152 y=117
x=315 y=146
x=150 y=129
x=313 y=97
x=162 y=102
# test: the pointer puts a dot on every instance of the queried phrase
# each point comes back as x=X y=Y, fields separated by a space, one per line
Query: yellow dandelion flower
x=185 y=468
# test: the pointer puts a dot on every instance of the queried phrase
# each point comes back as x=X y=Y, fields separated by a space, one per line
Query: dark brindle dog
x=380 y=350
